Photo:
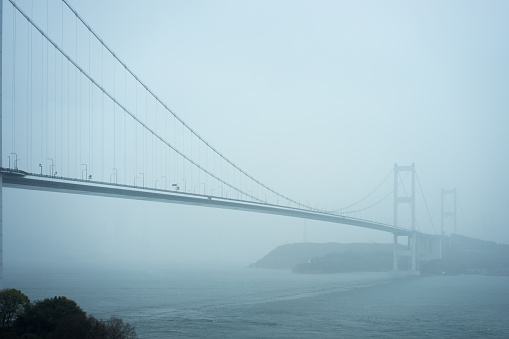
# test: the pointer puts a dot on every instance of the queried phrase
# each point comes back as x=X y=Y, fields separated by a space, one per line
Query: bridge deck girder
x=16 y=179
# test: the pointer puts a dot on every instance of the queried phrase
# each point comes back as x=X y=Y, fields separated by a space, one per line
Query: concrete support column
x=414 y=251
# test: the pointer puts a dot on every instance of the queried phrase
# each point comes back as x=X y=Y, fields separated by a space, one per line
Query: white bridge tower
x=407 y=199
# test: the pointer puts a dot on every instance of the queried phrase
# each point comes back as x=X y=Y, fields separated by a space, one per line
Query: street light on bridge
x=84 y=170
x=114 y=174
x=51 y=166
x=15 y=161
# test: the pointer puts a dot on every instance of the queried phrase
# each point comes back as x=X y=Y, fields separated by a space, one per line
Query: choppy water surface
x=240 y=302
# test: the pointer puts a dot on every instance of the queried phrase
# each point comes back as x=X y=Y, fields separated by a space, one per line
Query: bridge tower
x=446 y=210
x=407 y=199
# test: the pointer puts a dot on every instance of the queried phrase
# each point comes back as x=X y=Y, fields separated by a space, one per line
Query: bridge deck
x=22 y=180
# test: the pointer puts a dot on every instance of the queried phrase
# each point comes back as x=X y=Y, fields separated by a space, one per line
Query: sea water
x=238 y=302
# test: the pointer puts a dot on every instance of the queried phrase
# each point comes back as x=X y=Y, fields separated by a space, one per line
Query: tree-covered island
x=462 y=255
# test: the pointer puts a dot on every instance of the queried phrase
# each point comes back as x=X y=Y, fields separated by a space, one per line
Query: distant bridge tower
x=448 y=211
x=407 y=199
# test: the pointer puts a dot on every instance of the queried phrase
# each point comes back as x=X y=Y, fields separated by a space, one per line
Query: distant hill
x=462 y=255
x=468 y=255
x=290 y=255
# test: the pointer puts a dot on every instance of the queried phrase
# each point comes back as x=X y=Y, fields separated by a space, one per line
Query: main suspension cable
x=177 y=117
x=116 y=102
x=369 y=194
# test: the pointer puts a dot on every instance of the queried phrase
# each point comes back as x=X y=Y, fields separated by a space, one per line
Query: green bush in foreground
x=57 y=317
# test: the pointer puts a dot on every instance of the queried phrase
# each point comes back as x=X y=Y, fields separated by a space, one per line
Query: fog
x=317 y=100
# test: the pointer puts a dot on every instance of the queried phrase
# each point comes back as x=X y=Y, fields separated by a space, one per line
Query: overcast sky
x=317 y=99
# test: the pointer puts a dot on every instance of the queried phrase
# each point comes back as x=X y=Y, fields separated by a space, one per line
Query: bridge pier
x=421 y=248
x=413 y=247
x=410 y=252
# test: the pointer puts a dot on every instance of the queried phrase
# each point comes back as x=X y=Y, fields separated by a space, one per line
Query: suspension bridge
x=76 y=119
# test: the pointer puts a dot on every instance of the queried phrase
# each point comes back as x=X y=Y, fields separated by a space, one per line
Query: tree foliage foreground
x=12 y=304
x=54 y=318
